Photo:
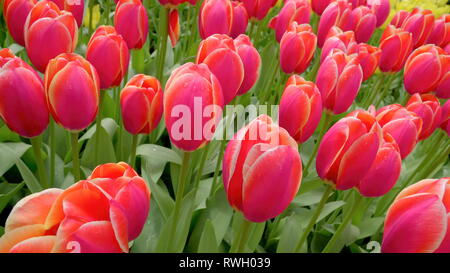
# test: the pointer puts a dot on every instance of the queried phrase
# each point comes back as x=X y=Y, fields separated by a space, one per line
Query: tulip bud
x=72 y=87
x=403 y=125
x=216 y=17
x=396 y=45
x=195 y=93
x=381 y=9
x=300 y=108
x=250 y=59
x=339 y=79
x=76 y=7
x=368 y=56
x=293 y=11
x=445 y=121
x=297 y=48
x=47 y=25
x=240 y=19
x=15 y=13
x=219 y=53
x=338 y=13
x=364 y=23
x=174 y=27
x=337 y=39
x=419 y=23
x=131 y=21
x=357 y=3
x=443 y=87
x=262 y=170
x=109 y=54
x=258 y=9
x=318 y=6
x=418 y=220
x=23 y=106
x=399 y=18
x=428 y=108
x=440 y=35
x=141 y=101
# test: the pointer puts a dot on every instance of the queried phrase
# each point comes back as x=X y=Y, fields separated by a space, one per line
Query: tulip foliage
x=224 y=126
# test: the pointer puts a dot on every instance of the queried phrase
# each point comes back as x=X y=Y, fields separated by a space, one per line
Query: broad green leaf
x=220 y=213
x=159 y=153
x=329 y=208
x=370 y=226
x=208 y=241
x=108 y=124
x=106 y=150
x=10 y=152
x=7 y=192
x=291 y=234
x=28 y=177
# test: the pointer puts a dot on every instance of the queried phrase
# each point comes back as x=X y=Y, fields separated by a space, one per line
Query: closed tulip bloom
x=403 y=125
x=364 y=23
x=381 y=8
x=76 y=7
x=141 y=102
x=338 y=13
x=174 y=27
x=293 y=11
x=131 y=21
x=418 y=219
x=219 y=53
x=23 y=106
x=47 y=25
x=428 y=108
x=262 y=170
x=396 y=45
x=72 y=87
x=368 y=56
x=338 y=39
x=240 y=19
x=419 y=23
x=216 y=17
x=399 y=18
x=440 y=35
x=339 y=79
x=15 y=13
x=250 y=59
x=357 y=3
x=300 y=108
x=192 y=87
x=297 y=48
x=318 y=6
x=443 y=87
x=445 y=121
x=109 y=54
x=258 y=9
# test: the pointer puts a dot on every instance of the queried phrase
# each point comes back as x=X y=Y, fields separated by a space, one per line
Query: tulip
x=76 y=7
x=381 y=9
x=338 y=13
x=23 y=106
x=72 y=87
x=357 y=3
x=131 y=21
x=109 y=54
x=216 y=17
x=339 y=79
x=418 y=220
x=297 y=48
x=293 y=11
x=364 y=23
x=258 y=9
x=399 y=18
x=368 y=56
x=337 y=39
x=440 y=35
x=250 y=59
x=262 y=170
x=300 y=108
x=424 y=69
x=176 y=2
x=192 y=90
x=141 y=102
x=219 y=53
x=419 y=23
x=318 y=6
x=396 y=44
x=445 y=121
x=15 y=13
x=443 y=87
x=174 y=27
x=356 y=153
x=428 y=108
x=403 y=125
x=47 y=25
x=240 y=19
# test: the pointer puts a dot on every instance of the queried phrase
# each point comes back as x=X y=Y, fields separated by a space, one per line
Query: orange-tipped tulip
x=215 y=17
x=443 y=88
x=419 y=23
x=338 y=13
x=297 y=48
x=49 y=32
x=318 y=6
x=15 y=13
x=23 y=106
x=76 y=7
x=258 y=9
x=174 y=26
x=262 y=170
x=364 y=23
x=141 y=101
x=440 y=35
x=396 y=45
x=131 y=21
x=445 y=120
x=250 y=59
x=300 y=108
x=293 y=11
x=109 y=54
x=72 y=87
x=344 y=41
x=368 y=56
x=381 y=9
x=240 y=19
x=428 y=108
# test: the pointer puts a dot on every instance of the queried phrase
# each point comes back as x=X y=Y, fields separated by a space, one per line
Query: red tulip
x=219 y=53
x=262 y=170
x=399 y=18
x=109 y=54
x=300 y=108
x=440 y=35
x=193 y=104
x=47 y=25
x=445 y=121
x=425 y=68
x=403 y=125
x=176 y=2
x=337 y=39
x=174 y=27
x=258 y=9
x=23 y=106
x=443 y=87
x=381 y=9
x=357 y=3
x=216 y=17
x=419 y=23
x=76 y=7
x=250 y=59
x=240 y=19
x=338 y=13
x=72 y=87
x=293 y=11
x=141 y=101
x=364 y=23
x=131 y=21
x=418 y=220
x=339 y=79
x=318 y=6
x=396 y=44
x=297 y=48
x=428 y=108
x=368 y=56
x=15 y=13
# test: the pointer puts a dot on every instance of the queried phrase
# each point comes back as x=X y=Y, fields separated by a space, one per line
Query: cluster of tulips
x=327 y=52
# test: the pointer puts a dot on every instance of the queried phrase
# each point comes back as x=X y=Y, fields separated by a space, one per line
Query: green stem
x=201 y=166
x=386 y=86
x=194 y=29
x=52 y=152
x=241 y=239
x=368 y=100
x=98 y=124
x=36 y=142
x=266 y=89
x=323 y=129
x=314 y=218
x=162 y=42
x=133 y=150
x=75 y=157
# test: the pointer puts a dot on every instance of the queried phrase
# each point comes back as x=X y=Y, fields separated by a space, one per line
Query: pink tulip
x=338 y=13
x=357 y=3
x=440 y=35
x=419 y=23
x=131 y=21
x=300 y=108
x=381 y=9
x=293 y=11
x=396 y=45
x=174 y=26
x=364 y=23
x=443 y=87
x=215 y=17
x=76 y=7
x=428 y=108
x=445 y=120
x=15 y=13
x=250 y=59
x=262 y=170
x=337 y=39
x=240 y=19
x=173 y=3
x=368 y=56
x=258 y=9
x=318 y=6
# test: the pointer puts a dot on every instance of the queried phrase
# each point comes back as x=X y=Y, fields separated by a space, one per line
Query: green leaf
x=6 y=135
x=2 y=231
x=208 y=241
x=255 y=236
x=290 y=236
x=160 y=153
x=28 y=177
x=162 y=197
x=10 y=152
x=106 y=150
x=370 y=226
x=329 y=208
x=220 y=213
x=8 y=191
x=108 y=124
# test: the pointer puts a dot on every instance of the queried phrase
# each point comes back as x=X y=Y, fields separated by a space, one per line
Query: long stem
x=133 y=150
x=241 y=238
x=52 y=152
x=36 y=142
x=75 y=157
x=202 y=165
x=98 y=124
x=162 y=42
x=314 y=218
x=323 y=129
